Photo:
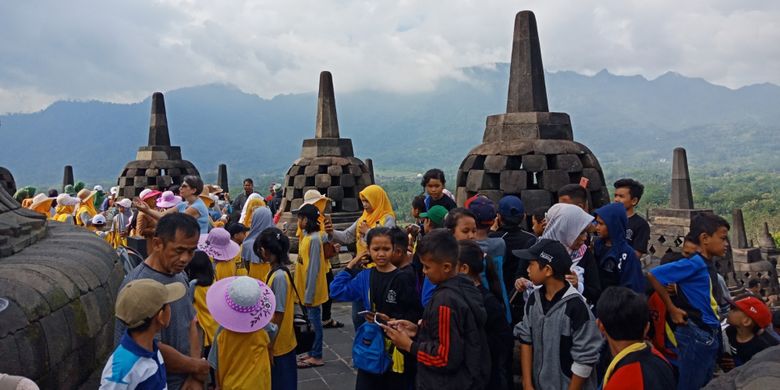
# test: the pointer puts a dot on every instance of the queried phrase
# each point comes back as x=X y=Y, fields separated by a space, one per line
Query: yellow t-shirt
x=285 y=338
x=302 y=267
x=243 y=361
x=259 y=271
x=205 y=320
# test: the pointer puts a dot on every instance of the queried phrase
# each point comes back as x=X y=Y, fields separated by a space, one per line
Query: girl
x=471 y=262
x=193 y=205
x=65 y=208
x=86 y=210
x=252 y=203
x=377 y=211
x=310 y=278
x=389 y=293
x=433 y=183
x=222 y=250
x=201 y=275
x=261 y=220
x=273 y=247
x=461 y=223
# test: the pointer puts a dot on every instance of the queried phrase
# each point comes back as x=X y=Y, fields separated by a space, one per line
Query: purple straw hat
x=241 y=304
x=168 y=200
x=218 y=245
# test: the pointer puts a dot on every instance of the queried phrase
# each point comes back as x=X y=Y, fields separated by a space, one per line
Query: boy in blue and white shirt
x=143 y=306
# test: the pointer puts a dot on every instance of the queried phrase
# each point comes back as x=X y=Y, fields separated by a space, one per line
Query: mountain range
x=628 y=121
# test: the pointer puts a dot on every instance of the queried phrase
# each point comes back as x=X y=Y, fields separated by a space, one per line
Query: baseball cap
x=511 y=206
x=756 y=310
x=235 y=228
x=436 y=214
x=98 y=188
x=308 y=211
x=141 y=299
x=484 y=209
x=547 y=252
x=99 y=219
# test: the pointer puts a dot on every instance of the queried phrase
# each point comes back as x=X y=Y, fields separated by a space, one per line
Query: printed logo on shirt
x=391 y=296
x=629 y=234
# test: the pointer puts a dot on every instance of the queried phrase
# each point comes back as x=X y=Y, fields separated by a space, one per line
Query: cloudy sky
x=121 y=51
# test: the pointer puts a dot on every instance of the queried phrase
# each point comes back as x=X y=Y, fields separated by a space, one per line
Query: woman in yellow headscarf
x=41 y=204
x=66 y=205
x=377 y=211
x=252 y=203
x=86 y=210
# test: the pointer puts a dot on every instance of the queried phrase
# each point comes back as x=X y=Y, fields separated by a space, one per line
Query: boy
x=628 y=192
x=143 y=306
x=537 y=220
x=450 y=343
x=237 y=232
x=574 y=194
x=746 y=333
x=618 y=264
x=624 y=321
x=556 y=321
x=698 y=330
x=485 y=215
x=433 y=218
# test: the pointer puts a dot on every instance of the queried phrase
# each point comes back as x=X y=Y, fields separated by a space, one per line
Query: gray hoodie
x=564 y=337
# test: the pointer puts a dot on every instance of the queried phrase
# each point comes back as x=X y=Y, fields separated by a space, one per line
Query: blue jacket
x=348 y=287
x=618 y=262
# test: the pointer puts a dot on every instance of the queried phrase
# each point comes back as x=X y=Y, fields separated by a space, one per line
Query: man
x=249 y=188
x=275 y=198
x=174 y=242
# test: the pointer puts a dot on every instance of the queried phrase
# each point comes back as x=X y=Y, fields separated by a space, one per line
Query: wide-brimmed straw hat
x=241 y=304
x=67 y=200
x=218 y=245
x=148 y=194
x=313 y=196
x=168 y=200
x=41 y=199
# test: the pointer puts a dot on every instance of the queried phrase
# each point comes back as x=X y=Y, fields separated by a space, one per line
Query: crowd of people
x=462 y=298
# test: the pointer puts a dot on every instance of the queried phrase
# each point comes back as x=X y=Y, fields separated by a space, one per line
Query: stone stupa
x=748 y=261
x=529 y=151
x=327 y=164
x=157 y=165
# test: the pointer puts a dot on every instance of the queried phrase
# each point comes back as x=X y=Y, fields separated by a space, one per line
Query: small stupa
x=748 y=262
x=529 y=151
x=158 y=164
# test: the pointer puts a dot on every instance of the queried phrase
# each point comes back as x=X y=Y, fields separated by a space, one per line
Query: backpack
x=368 y=350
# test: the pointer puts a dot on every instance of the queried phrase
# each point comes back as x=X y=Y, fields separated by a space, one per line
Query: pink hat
x=218 y=245
x=241 y=304
x=168 y=200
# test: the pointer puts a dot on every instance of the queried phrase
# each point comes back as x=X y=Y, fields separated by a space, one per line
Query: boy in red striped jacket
x=450 y=344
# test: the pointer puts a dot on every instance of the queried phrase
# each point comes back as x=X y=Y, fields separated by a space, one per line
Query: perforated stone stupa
x=158 y=164
x=528 y=151
x=327 y=164
x=749 y=262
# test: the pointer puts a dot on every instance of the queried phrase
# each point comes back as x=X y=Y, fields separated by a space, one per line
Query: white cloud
x=122 y=51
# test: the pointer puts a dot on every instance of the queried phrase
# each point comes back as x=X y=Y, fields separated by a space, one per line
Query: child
x=499 y=334
x=698 y=339
x=200 y=271
x=559 y=340
x=628 y=192
x=98 y=225
x=746 y=333
x=238 y=233
x=261 y=220
x=240 y=354
x=383 y=290
x=450 y=343
x=310 y=278
x=433 y=218
x=433 y=182
x=403 y=258
x=618 y=264
x=222 y=249
x=273 y=247
x=485 y=212
x=538 y=220
x=624 y=321
x=142 y=305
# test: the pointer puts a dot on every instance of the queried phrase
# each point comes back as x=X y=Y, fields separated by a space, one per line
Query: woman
x=193 y=205
x=252 y=203
x=146 y=225
x=377 y=211
x=261 y=219
x=86 y=210
x=66 y=205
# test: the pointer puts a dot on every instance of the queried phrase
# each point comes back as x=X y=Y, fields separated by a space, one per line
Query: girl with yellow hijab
x=41 y=204
x=252 y=203
x=377 y=211
x=86 y=210
x=66 y=205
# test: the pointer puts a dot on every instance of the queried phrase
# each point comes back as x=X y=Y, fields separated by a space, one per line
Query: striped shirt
x=133 y=367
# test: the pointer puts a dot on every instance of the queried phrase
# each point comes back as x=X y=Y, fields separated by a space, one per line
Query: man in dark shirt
x=629 y=192
x=249 y=188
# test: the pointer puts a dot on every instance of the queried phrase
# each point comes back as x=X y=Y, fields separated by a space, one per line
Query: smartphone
x=379 y=320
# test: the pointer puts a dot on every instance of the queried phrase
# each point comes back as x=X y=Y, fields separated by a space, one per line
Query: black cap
x=308 y=211
x=548 y=252
x=235 y=228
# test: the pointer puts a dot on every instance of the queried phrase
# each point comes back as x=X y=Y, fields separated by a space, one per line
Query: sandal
x=309 y=364
x=332 y=324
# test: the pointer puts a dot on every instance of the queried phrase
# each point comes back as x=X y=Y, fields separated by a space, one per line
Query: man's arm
x=178 y=363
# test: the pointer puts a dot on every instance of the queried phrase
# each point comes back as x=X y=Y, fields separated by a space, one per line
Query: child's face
x=717 y=243
x=238 y=238
x=436 y=272
x=415 y=213
x=580 y=240
x=689 y=248
x=427 y=225
x=623 y=195
x=398 y=256
x=538 y=274
x=465 y=229
x=537 y=226
x=737 y=318
x=381 y=250
x=301 y=222
x=434 y=188
x=601 y=228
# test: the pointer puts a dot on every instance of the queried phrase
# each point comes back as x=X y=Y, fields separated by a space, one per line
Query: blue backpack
x=368 y=350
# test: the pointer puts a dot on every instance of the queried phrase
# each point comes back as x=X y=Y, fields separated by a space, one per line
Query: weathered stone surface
x=512 y=182
x=322 y=180
x=495 y=164
x=568 y=162
x=311 y=170
x=761 y=372
x=350 y=204
x=222 y=177
x=534 y=163
x=7 y=181
x=533 y=199
x=474 y=181
x=553 y=179
x=335 y=170
x=682 y=196
x=299 y=182
x=347 y=180
x=738 y=235
x=67 y=178
x=336 y=193
x=595 y=178
x=527 y=92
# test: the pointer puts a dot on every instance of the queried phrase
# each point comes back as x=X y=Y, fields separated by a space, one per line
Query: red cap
x=756 y=309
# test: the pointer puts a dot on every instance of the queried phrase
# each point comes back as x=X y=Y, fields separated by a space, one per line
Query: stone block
x=468 y=163
x=151 y=172
x=296 y=204
x=568 y=162
x=31 y=347
x=494 y=195
x=495 y=164
x=553 y=179
x=289 y=193
x=322 y=180
x=512 y=182
x=534 y=163
x=299 y=182
x=474 y=180
x=322 y=161
x=357 y=170
x=335 y=170
x=347 y=180
x=594 y=177
x=365 y=179
x=10 y=361
x=336 y=193
x=311 y=170
x=57 y=335
x=350 y=204
x=13 y=319
x=533 y=199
